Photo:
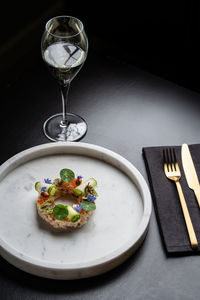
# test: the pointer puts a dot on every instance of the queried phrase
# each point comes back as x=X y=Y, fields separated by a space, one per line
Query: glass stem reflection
x=64 y=94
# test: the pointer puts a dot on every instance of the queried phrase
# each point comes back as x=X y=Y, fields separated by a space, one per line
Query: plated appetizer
x=66 y=217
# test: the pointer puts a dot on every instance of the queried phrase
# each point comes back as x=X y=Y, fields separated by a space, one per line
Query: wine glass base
x=75 y=130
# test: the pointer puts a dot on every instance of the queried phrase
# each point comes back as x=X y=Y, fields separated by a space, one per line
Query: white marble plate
x=112 y=234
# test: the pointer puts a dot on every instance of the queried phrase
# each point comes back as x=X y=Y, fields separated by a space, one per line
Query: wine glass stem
x=64 y=94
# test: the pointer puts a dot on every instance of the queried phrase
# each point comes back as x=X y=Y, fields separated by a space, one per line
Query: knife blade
x=190 y=171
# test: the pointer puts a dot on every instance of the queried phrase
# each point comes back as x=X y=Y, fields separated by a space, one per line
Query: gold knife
x=190 y=172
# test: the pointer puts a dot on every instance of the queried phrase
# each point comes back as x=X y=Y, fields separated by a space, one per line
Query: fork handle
x=190 y=228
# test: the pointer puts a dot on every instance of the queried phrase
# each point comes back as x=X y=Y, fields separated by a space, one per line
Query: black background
x=159 y=36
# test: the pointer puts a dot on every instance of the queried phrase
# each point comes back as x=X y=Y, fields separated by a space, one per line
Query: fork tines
x=169 y=158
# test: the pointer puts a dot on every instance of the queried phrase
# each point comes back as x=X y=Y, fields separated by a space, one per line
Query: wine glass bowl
x=64 y=48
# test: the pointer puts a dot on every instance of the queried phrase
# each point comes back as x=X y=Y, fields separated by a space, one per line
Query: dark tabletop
x=126 y=109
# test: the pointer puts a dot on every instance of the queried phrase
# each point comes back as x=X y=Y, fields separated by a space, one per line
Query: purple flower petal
x=91 y=198
x=43 y=189
x=77 y=207
x=47 y=180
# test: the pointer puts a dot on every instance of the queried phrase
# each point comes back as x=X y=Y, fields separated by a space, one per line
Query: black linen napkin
x=166 y=201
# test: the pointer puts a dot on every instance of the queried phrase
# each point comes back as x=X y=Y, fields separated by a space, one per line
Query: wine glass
x=64 y=49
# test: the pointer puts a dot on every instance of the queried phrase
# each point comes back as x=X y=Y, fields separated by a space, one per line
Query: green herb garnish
x=75 y=218
x=60 y=212
x=67 y=175
x=47 y=206
x=88 y=206
x=90 y=190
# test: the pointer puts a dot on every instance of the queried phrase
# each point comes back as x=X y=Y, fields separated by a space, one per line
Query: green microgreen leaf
x=88 y=206
x=60 y=212
x=67 y=175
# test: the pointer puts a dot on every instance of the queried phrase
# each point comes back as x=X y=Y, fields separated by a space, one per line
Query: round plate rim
x=11 y=255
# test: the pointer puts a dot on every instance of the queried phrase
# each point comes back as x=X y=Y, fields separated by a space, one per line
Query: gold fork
x=173 y=173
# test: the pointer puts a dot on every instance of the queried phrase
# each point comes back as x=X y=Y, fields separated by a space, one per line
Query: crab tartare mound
x=63 y=217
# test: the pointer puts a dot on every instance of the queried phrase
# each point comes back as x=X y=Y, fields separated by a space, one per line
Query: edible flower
x=91 y=198
x=78 y=180
x=43 y=189
x=47 y=180
x=77 y=207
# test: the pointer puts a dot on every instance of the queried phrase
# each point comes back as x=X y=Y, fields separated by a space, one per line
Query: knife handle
x=197 y=194
x=190 y=228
